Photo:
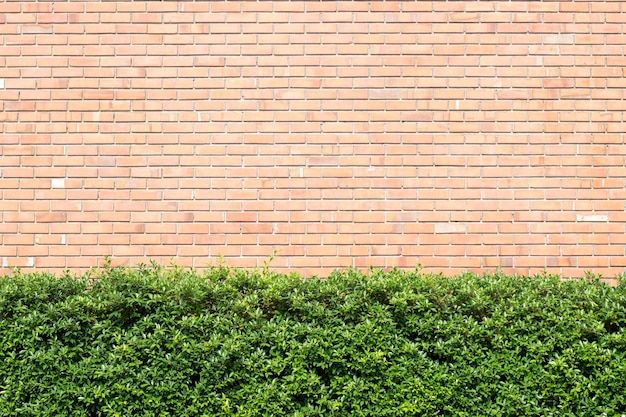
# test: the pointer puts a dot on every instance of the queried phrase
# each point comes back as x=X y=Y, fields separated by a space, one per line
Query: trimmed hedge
x=156 y=341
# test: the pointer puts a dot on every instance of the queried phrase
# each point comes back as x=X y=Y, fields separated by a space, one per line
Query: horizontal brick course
x=459 y=135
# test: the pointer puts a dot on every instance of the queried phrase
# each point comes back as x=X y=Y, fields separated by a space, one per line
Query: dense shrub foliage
x=155 y=341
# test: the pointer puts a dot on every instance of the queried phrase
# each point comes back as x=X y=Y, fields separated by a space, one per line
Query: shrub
x=156 y=341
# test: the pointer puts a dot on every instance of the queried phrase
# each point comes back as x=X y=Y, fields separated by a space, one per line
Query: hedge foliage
x=166 y=341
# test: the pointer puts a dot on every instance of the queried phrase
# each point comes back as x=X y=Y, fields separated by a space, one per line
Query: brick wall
x=462 y=135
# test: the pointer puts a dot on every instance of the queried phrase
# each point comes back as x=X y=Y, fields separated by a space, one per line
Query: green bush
x=156 y=341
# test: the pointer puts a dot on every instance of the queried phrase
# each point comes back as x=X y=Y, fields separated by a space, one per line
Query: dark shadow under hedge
x=154 y=341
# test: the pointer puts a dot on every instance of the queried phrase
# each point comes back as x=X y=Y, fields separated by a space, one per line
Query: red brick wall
x=455 y=134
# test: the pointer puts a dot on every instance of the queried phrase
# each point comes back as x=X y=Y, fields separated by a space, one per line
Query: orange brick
x=364 y=127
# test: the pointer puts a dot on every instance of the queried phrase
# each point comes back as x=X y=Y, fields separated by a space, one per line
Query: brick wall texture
x=462 y=135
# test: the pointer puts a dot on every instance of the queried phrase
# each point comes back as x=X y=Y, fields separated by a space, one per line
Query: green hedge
x=156 y=341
